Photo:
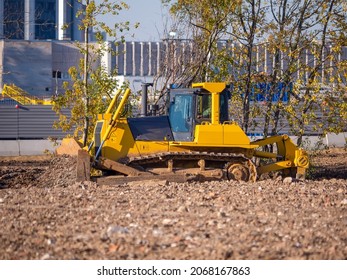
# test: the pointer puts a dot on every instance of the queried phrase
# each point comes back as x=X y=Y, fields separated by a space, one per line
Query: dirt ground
x=44 y=214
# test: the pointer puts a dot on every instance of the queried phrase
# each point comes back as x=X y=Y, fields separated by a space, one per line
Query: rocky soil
x=44 y=214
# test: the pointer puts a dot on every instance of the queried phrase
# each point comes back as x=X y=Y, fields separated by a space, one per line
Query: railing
x=22 y=97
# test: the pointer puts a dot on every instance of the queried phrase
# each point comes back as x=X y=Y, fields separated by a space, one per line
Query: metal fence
x=28 y=122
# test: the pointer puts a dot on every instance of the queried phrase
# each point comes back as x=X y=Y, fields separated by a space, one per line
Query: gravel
x=46 y=215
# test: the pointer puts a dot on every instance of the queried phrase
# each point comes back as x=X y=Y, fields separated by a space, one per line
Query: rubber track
x=163 y=157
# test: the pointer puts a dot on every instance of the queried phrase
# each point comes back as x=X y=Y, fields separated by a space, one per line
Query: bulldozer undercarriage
x=173 y=167
x=190 y=166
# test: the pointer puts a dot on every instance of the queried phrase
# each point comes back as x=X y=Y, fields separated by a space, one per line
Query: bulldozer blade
x=119 y=180
x=69 y=146
x=105 y=163
x=83 y=166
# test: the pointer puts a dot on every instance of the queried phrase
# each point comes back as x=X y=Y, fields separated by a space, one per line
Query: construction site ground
x=46 y=215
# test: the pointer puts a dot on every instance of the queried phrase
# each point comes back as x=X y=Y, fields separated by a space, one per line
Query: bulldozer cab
x=189 y=107
x=204 y=104
x=181 y=114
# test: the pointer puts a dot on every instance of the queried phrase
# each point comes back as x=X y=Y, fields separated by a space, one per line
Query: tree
x=304 y=31
x=246 y=29
x=294 y=26
x=202 y=23
x=208 y=23
x=90 y=84
x=292 y=47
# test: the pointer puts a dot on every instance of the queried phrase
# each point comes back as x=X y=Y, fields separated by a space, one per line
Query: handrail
x=16 y=93
x=115 y=117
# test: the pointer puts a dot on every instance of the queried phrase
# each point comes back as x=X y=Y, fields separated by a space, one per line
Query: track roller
x=242 y=171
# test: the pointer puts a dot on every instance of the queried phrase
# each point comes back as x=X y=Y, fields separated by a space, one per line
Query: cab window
x=204 y=107
x=181 y=113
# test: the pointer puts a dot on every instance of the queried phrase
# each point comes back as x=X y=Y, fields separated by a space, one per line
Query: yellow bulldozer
x=194 y=140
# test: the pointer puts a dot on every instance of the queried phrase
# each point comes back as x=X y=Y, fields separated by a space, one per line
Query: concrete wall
x=26 y=147
x=64 y=55
x=38 y=147
x=28 y=65
x=329 y=140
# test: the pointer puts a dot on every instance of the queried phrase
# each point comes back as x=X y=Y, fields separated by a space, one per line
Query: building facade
x=154 y=58
x=40 y=20
x=41 y=66
x=38 y=67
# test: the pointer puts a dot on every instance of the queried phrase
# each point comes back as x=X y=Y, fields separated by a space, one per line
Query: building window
x=45 y=19
x=13 y=19
x=56 y=74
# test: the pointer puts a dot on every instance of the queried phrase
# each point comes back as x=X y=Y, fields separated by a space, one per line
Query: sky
x=151 y=15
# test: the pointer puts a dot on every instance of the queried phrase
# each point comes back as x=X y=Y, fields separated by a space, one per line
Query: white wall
x=25 y=147
x=38 y=147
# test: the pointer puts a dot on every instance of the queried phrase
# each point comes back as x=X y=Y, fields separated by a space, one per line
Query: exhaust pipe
x=144 y=97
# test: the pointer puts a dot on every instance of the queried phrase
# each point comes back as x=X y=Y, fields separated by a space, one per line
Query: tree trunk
x=85 y=82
